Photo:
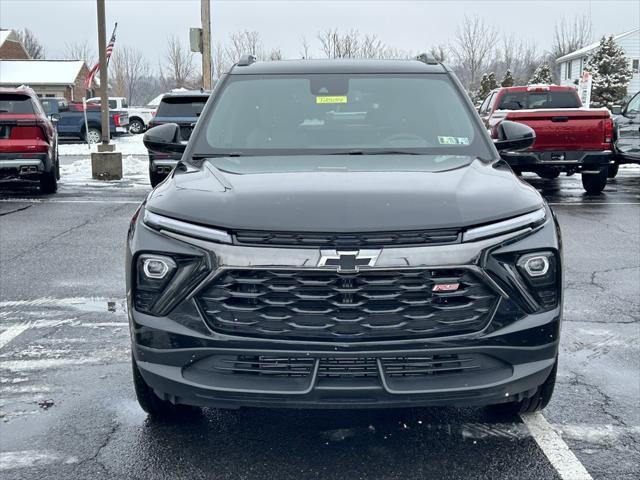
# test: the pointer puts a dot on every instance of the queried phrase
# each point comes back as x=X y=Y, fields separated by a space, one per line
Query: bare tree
x=80 y=50
x=31 y=44
x=178 y=69
x=128 y=68
x=351 y=44
x=305 y=47
x=244 y=43
x=439 y=52
x=474 y=45
x=568 y=37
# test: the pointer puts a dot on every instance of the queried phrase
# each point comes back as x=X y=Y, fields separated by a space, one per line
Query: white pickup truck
x=139 y=117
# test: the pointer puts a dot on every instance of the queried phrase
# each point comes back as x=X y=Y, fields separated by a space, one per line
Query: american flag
x=94 y=70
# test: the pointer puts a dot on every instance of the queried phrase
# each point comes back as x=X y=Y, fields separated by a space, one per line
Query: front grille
x=346 y=367
x=326 y=305
x=347 y=240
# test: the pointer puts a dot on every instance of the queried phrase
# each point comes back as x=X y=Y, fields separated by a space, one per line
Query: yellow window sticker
x=453 y=140
x=334 y=99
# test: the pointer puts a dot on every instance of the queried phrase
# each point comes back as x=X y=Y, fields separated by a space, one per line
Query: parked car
x=627 y=132
x=139 y=117
x=28 y=140
x=182 y=108
x=569 y=138
x=71 y=120
x=343 y=234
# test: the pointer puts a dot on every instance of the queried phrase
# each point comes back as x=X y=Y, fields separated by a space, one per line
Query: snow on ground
x=135 y=173
x=127 y=145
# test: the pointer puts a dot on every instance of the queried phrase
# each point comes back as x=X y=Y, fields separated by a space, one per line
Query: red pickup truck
x=569 y=138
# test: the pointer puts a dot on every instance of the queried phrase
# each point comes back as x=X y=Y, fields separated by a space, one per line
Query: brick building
x=10 y=46
x=48 y=78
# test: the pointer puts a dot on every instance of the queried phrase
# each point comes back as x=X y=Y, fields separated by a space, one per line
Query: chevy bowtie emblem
x=348 y=261
x=445 y=287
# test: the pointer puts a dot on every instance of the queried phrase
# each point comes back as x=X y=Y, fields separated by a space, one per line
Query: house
x=11 y=47
x=48 y=78
x=572 y=64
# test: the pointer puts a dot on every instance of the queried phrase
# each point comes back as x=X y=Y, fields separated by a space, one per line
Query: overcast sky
x=407 y=25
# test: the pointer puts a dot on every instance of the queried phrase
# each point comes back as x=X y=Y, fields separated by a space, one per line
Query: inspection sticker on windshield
x=453 y=140
x=334 y=99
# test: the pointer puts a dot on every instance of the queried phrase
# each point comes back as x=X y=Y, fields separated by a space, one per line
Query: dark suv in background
x=183 y=109
x=343 y=234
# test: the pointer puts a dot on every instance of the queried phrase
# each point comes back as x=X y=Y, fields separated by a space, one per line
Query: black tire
x=613 y=170
x=49 y=181
x=155 y=178
x=594 y=183
x=154 y=405
x=136 y=126
x=539 y=400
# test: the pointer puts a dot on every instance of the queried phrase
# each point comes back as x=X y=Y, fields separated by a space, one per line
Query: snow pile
x=127 y=145
x=135 y=173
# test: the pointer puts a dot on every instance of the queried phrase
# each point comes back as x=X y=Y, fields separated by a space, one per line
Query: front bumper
x=180 y=356
x=573 y=161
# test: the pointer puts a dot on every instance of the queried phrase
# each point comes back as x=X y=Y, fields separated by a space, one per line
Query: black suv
x=183 y=109
x=343 y=234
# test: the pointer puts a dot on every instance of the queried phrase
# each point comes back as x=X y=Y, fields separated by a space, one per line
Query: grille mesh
x=327 y=305
x=246 y=237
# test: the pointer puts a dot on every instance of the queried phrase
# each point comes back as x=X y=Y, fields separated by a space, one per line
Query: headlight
x=163 y=281
x=528 y=220
x=160 y=222
x=539 y=270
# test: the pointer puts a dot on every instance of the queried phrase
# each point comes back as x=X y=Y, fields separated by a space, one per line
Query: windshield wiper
x=374 y=152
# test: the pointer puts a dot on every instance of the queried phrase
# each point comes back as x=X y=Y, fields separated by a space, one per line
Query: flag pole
x=86 y=122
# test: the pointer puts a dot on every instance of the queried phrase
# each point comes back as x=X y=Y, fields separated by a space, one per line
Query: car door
x=628 y=131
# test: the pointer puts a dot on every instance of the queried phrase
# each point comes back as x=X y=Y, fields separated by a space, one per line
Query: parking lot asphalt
x=67 y=408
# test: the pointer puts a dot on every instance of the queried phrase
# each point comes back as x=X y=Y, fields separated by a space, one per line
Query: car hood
x=472 y=193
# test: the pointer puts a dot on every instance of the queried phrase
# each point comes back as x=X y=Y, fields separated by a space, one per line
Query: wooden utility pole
x=102 y=52
x=205 y=15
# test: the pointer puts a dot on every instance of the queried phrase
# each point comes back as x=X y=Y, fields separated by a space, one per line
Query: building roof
x=39 y=72
x=586 y=50
x=343 y=65
x=8 y=35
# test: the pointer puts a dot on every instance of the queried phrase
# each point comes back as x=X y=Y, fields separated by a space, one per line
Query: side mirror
x=164 y=138
x=514 y=136
x=55 y=117
x=616 y=110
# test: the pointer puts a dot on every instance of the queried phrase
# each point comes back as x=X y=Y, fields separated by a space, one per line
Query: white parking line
x=11 y=333
x=556 y=450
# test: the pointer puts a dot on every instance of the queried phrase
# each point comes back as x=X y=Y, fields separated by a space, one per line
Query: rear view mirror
x=514 y=136
x=616 y=110
x=164 y=139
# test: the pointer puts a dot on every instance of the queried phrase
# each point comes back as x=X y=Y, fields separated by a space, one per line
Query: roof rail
x=246 y=60
x=427 y=58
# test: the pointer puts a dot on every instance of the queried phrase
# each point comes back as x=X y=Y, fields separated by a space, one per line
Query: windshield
x=340 y=113
x=15 y=103
x=181 y=106
x=531 y=100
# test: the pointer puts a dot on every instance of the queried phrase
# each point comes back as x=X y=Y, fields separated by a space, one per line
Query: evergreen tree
x=493 y=83
x=507 y=80
x=484 y=89
x=542 y=75
x=611 y=74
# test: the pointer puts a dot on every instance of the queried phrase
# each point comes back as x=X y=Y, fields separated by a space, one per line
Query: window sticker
x=453 y=140
x=331 y=99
